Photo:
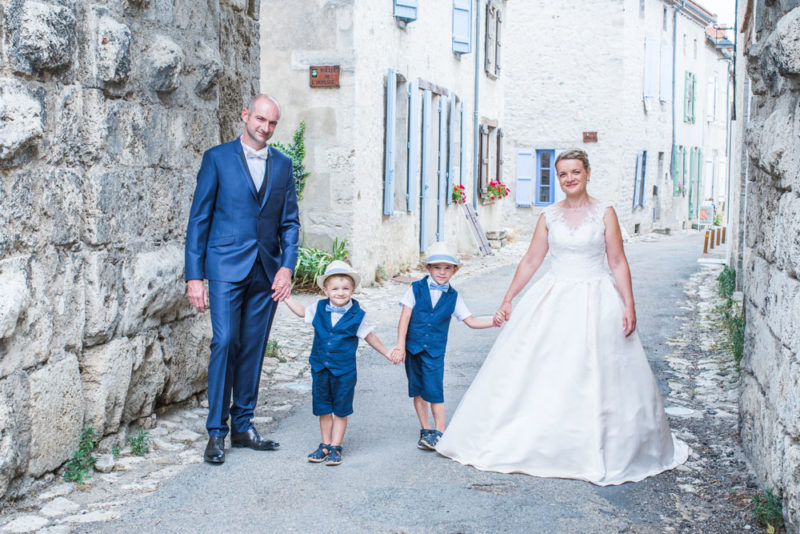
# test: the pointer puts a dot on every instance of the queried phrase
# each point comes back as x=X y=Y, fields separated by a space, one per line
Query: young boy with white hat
x=339 y=323
x=428 y=306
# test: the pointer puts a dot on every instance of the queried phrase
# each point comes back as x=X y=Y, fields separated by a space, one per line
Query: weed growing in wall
x=297 y=151
x=78 y=468
x=768 y=511
x=140 y=442
x=732 y=313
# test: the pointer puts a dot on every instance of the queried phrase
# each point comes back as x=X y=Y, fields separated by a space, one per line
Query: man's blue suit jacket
x=228 y=228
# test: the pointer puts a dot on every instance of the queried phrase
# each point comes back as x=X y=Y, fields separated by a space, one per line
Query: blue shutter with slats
x=524 y=184
x=441 y=175
x=388 y=173
x=637 y=179
x=426 y=164
x=451 y=152
x=462 y=26
x=406 y=9
x=462 y=153
x=413 y=146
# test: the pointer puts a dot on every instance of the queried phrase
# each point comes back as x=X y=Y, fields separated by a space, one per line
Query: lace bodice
x=576 y=238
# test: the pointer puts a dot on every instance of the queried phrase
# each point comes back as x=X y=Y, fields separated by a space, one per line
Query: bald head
x=257 y=99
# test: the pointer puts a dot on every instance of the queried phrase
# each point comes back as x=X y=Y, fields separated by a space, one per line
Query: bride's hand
x=628 y=321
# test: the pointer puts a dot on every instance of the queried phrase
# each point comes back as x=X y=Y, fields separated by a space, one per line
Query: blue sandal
x=319 y=455
x=423 y=437
x=431 y=439
x=334 y=455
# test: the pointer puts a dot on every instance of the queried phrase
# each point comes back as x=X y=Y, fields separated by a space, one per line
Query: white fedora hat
x=338 y=267
x=439 y=252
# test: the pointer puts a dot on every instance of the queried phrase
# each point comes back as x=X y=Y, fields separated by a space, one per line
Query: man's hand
x=282 y=285
x=197 y=295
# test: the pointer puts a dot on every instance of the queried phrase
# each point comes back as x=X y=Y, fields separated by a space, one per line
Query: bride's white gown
x=563 y=393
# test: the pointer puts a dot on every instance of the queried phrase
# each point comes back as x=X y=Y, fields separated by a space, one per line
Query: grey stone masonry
x=770 y=399
x=106 y=108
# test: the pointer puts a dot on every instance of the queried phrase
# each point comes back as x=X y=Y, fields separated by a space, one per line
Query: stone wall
x=105 y=110
x=770 y=401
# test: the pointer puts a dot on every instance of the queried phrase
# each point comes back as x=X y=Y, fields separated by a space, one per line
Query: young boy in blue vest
x=428 y=306
x=338 y=325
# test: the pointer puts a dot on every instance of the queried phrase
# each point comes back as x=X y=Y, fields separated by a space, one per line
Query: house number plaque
x=323 y=76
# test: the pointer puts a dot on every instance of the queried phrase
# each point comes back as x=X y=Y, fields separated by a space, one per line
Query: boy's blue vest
x=335 y=346
x=427 y=329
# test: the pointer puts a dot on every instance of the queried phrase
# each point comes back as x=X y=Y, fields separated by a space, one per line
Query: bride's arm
x=527 y=267
x=618 y=264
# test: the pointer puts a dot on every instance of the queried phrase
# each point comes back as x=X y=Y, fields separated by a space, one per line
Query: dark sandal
x=334 y=455
x=423 y=437
x=319 y=455
x=431 y=439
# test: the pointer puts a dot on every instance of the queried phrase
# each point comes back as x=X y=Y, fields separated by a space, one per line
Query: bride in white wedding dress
x=566 y=390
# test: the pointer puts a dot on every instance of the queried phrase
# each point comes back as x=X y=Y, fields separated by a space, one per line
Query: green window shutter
x=686 y=87
x=692 y=174
x=684 y=165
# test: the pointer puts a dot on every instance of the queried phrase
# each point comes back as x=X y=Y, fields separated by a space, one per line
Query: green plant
x=768 y=510
x=717 y=220
x=297 y=151
x=726 y=283
x=380 y=274
x=459 y=194
x=115 y=452
x=140 y=442
x=273 y=349
x=82 y=461
x=311 y=262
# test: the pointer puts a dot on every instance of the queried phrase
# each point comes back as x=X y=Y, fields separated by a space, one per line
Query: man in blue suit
x=242 y=237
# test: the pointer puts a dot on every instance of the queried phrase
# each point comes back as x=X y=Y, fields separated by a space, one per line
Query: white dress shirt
x=256 y=163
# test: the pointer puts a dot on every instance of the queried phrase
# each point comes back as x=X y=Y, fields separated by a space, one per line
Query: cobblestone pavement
x=710 y=493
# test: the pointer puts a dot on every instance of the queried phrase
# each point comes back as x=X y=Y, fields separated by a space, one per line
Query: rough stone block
x=113 y=48
x=116 y=204
x=186 y=351
x=56 y=402
x=129 y=130
x=15 y=291
x=106 y=377
x=21 y=118
x=787 y=45
x=103 y=290
x=154 y=289
x=165 y=63
x=148 y=379
x=207 y=69
x=42 y=36
x=14 y=428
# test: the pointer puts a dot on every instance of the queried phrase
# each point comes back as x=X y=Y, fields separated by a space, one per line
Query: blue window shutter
x=413 y=146
x=637 y=179
x=675 y=190
x=388 y=173
x=462 y=136
x=644 y=179
x=427 y=102
x=686 y=96
x=524 y=185
x=406 y=9
x=451 y=152
x=462 y=26
x=441 y=175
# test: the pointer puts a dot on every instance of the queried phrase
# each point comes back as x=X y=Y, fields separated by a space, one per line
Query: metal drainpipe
x=674 y=67
x=475 y=154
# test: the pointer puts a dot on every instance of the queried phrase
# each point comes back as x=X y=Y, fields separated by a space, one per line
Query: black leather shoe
x=215 y=450
x=252 y=440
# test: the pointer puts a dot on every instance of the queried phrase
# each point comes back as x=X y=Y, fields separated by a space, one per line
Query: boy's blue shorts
x=331 y=393
x=425 y=376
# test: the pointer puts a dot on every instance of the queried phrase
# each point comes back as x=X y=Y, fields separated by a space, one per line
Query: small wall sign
x=589 y=137
x=323 y=76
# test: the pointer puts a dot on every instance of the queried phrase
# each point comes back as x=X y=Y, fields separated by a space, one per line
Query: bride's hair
x=575 y=153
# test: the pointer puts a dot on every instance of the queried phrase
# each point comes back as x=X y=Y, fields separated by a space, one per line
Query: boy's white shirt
x=363 y=329
x=460 y=313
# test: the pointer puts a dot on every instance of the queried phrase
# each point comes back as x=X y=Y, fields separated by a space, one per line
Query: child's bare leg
x=325 y=427
x=438 y=415
x=339 y=426
x=422 y=411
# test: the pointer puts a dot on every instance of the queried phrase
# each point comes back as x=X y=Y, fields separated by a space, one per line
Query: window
x=695 y=48
x=405 y=10
x=641 y=7
x=494 y=22
x=652 y=60
x=491 y=154
x=665 y=76
x=545 y=177
x=711 y=100
x=689 y=96
x=638 y=184
x=664 y=20
x=677 y=170
x=462 y=26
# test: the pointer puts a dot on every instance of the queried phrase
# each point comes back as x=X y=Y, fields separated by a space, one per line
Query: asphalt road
x=385 y=484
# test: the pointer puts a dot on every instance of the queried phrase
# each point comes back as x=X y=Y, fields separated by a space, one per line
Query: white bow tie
x=260 y=154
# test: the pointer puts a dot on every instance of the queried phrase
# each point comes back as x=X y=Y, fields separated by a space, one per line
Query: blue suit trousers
x=241 y=316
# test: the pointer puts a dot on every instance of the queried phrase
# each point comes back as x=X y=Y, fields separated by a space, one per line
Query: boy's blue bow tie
x=434 y=285
x=334 y=309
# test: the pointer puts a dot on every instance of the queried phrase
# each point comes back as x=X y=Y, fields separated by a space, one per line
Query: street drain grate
x=498 y=488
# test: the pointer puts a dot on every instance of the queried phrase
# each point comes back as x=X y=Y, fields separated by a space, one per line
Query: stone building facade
x=769 y=407
x=645 y=77
x=105 y=111
x=406 y=50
